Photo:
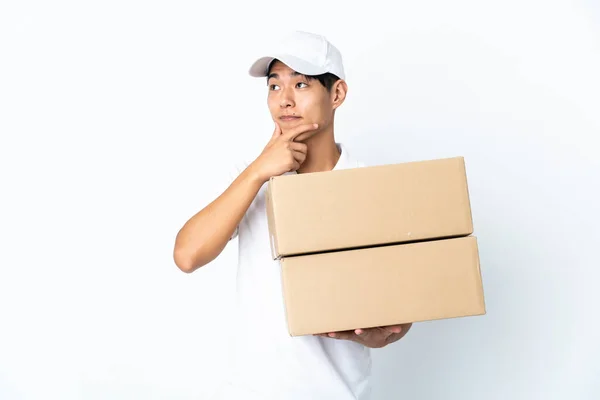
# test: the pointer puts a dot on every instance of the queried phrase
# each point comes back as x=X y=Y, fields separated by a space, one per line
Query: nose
x=287 y=99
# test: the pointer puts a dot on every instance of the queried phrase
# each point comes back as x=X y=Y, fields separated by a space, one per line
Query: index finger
x=297 y=131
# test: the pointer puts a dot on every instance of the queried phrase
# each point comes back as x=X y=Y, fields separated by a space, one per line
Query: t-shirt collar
x=342 y=162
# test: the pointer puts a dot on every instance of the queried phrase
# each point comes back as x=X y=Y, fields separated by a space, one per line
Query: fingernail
x=316 y=125
x=358 y=331
x=332 y=335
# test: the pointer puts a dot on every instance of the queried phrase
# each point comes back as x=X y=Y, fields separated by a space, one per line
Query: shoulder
x=348 y=160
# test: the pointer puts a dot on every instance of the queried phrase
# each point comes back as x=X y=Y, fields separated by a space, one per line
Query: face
x=296 y=100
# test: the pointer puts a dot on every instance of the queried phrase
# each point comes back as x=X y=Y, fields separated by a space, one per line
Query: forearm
x=205 y=235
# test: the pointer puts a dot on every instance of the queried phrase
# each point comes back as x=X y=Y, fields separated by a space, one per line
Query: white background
x=120 y=119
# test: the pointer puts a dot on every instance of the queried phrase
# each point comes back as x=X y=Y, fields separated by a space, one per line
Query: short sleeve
x=235 y=233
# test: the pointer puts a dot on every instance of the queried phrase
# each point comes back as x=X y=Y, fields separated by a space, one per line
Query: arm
x=205 y=235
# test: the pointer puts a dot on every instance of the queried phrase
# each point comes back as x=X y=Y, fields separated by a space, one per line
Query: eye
x=302 y=83
x=273 y=87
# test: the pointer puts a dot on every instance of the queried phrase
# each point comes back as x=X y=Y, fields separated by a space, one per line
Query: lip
x=289 y=118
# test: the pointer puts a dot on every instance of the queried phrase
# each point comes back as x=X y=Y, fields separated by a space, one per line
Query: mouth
x=289 y=118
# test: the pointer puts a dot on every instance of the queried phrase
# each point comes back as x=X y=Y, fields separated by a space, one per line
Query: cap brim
x=260 y=67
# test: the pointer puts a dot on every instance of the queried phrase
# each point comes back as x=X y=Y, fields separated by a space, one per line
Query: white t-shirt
x=269 y=363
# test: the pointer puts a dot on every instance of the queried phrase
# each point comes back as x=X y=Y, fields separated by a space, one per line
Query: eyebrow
x=276 y=76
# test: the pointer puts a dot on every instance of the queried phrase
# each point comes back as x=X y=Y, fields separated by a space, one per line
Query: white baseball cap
x=304 y=52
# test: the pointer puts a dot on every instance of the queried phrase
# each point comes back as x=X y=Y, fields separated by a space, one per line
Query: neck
x=322 y=153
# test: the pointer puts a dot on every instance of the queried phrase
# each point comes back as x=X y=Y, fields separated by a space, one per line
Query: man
x=306 y=84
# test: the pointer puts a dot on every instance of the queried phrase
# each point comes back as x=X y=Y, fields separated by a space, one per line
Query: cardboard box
x=363 y=207
x=385 y=285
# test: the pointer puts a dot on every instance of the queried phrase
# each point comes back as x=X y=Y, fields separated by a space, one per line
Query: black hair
x=327 y=79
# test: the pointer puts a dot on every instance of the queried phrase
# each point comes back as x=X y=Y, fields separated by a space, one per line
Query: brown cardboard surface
x=360 y=207
x=384 y=285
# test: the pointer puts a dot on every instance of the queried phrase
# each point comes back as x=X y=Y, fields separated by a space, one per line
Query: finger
x=375 y=335
x=297 y=131
x=295 y=166
x=393 y=328
x=364 y=333
x=301 y=147
x=341 y=335
x=299 y=156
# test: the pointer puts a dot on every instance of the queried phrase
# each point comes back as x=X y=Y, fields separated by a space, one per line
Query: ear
x=338 y=93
